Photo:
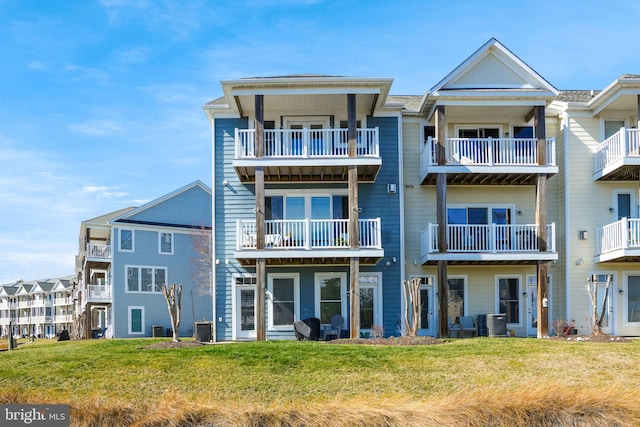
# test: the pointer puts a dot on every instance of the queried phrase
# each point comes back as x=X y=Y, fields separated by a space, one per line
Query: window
x=126 y=240
x=330 y=289
x=523 y=131
x=429 y=132
x=145 y=279
x=456 y=297
x=136 y=320
x=633 y=299
x=426 y=284
x=509 y=298
x=479 y=133
x=283 y=300
x=165 y=243
x=611 y=127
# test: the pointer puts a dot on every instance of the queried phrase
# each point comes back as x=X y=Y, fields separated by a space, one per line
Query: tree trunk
x=173 y=296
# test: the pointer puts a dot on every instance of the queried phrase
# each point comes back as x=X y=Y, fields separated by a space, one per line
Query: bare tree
x=173 y=295
x=597 y=320
x=202 y=261
x=411 y=306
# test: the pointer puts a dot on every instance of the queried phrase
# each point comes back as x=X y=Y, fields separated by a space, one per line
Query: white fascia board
x=315 y=253
x=307 y=91
x=606 y=102
x=492 y=102
x=343 y=161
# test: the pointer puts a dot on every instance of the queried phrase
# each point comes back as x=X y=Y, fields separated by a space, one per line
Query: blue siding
x=192 y=207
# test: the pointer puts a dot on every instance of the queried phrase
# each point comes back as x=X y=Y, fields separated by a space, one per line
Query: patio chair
x=303 y=331
x=467 y=325
x=337 y=321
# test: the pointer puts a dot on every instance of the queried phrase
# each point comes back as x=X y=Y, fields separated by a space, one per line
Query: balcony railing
x=98 y=251
x=489 y=152
x=624 y=143
x=306 y=143
x=63 y=318
x=494 y=238
x=98 y=292
x=63 y=301
x=308 y=234
x=622 y=234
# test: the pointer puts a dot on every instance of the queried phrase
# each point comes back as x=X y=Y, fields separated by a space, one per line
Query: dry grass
x=474 y=382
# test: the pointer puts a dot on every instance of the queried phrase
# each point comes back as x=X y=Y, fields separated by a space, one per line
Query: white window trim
x=510 y=206
x=160 y=233
x=142 y=322
x=611 y=119
x=465 y=290
x=140 y=267
x=457 y=127
x=133 y=240
x=378 y=320
x=343 y=291
x=234 y=304
x=521 y=300
x=289 y=120
x=307 y=194
x=296 y=299
x=513 y=125
x=632 y=201
x=625 y=297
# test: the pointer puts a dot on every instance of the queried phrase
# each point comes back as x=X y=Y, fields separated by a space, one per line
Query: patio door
x=246 y=301
x=314 y=128
x=427 y=319
x=532 y=304
x=370 y=309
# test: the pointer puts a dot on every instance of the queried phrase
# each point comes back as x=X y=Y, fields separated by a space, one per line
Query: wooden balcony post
x=354 y=219
x=261 y=277
x=441 y=213
x=541 y=221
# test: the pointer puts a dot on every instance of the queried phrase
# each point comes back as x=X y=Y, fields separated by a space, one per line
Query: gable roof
x=129 y=216
x=494 y=67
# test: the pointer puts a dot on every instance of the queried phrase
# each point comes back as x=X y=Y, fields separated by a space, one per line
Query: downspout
x=214 y=277
x=567 y=213
x=403 y=266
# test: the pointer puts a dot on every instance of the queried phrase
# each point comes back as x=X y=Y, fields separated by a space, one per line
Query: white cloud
x=98 y=128
x=38 y=66
x=86 y=73
x=133 y=55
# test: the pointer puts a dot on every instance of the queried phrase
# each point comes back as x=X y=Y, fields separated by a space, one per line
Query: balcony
x=98 y=252
x=63 y=300
x=494 y=244
x=98 y=293
x=618 y=157
x=619 y=241
x=309 y=241
x=308 y=155
x=488 y=161
x=63 y=318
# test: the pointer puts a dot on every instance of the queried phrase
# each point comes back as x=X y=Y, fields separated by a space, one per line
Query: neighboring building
x=329 y=214
x=126 y=256
x=35 y=308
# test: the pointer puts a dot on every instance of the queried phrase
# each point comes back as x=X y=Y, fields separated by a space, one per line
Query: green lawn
x=273 y=377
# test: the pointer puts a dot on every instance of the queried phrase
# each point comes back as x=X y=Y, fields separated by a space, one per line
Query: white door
x=246 y=301
x=370 y=306
x=607 y=322
x=427 y=320
x=532 y=309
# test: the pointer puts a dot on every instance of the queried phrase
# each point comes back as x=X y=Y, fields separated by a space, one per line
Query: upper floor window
x=306 y=206
x=145 y=279
x=165 y=244
x=523 y=131
x=429 y=131
x=126 y=240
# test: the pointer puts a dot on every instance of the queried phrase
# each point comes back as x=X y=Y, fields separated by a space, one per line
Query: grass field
x=474 y=382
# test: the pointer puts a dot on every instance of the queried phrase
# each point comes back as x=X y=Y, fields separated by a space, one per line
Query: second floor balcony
x=618 y=157
x=98 y=252
x=492 y=243
x=98 y=293
x=309 y=241
x=512 y=161
x=310 y=155
x=619 y=241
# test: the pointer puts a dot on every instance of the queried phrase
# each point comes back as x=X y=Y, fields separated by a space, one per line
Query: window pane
x=456 y=298
x=456 y=216
x=508 y=290
x=328 y=310
x=146 y=279
x=477 y=215
x=283 y=301
x=126 y=240
x=136 y=320
x=165 y=242
x=366 y=308
x=611 y=127
x=295 y=208
x=330 y=299
x=633 y=299
x=624 y=206
x=523 y=131
x=424 y=309
x=160 y=279
x=132 y=279
x=273 y=207
x=283 y=289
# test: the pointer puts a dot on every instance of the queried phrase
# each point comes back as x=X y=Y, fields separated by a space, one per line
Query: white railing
x=622 y=234
x=624 y=143
x=308 y=234
x=489 y=152
x=63 y=300
x=63 y=318
x=98 y=292
x=41 y=319
x=306 y=143
x=98 y=251
x=493 y=238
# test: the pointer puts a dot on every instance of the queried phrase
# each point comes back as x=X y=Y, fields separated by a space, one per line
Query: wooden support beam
x=541 y=222
x=441 y=217
x=638 y=113
x=261 y=277
x=354 y=219
x=530 y=115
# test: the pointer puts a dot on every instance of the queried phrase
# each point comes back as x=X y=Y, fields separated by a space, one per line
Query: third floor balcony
x=618 y=157
x=309 y=155
x=619 y=241
x=98 y=252
x=469 y=161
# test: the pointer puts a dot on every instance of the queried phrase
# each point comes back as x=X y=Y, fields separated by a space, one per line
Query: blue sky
x=100 y=101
